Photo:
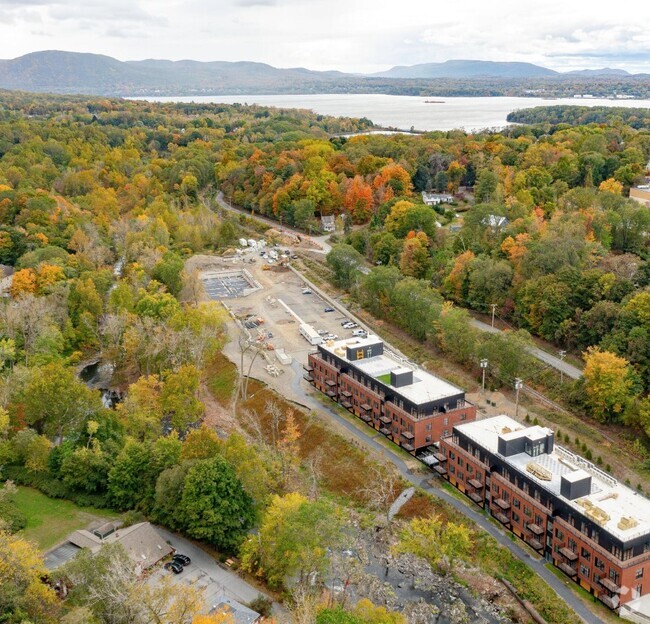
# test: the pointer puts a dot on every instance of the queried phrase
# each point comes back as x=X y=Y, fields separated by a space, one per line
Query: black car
x=182 y=559
x=328 y=309
x=175 y=566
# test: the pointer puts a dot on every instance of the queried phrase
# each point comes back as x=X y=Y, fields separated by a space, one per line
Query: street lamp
x=518 y=386
x=562 y=355
x=484 y=365
x=494 y=307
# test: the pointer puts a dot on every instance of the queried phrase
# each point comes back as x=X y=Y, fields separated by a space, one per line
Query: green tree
x=345 y=261
x=178 y=398
x=129 y=480
x=214 y=505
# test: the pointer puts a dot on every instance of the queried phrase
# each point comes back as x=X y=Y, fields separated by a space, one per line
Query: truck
x=310 y=334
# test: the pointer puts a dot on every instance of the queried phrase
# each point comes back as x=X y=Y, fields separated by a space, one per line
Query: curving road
x=369 y=438
x=543 y=356
x=320 y=241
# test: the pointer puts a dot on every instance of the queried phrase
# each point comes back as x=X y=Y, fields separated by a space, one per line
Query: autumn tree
x=23 y=595
x=608 y=383
x=141 y=411
x=438 y=543
x=294 y=537
x=358 y=200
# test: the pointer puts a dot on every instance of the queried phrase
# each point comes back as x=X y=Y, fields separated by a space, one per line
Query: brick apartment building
x=593 y=528
x=409 y=406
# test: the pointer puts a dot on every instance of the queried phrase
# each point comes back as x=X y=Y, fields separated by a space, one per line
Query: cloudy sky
x=349 y=35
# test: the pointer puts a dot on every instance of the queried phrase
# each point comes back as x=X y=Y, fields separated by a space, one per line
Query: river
x=406 y=112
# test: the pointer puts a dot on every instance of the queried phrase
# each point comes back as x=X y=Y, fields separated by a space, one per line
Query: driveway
x=207 y=573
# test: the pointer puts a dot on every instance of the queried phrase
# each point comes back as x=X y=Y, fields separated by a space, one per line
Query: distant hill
x=94 y=74
x=606 y=71
x=468 y=69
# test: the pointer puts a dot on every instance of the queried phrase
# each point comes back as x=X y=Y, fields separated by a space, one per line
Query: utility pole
x=494 y=307
x=518 y=385
x=484 y=365
x=562 y=355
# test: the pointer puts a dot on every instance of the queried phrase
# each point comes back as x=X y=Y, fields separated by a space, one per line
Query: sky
x=346 y=35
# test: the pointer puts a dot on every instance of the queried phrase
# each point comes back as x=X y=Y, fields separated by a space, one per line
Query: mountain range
x=73 y=72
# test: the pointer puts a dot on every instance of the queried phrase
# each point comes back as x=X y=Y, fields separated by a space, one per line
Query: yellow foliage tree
x=24 y=282
x=48 y=275
x=611 y=186
x=225 y=617
x=608 y=383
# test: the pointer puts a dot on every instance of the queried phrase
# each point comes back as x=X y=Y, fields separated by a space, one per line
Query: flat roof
x=611 y=501
x=425 y=388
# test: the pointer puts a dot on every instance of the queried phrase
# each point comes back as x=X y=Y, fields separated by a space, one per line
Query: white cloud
x=349 y=35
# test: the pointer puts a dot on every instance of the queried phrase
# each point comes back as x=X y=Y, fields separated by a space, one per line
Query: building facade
x=593 y=528
x=409 y=406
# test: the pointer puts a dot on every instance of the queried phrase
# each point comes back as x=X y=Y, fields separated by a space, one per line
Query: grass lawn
x=50 y=520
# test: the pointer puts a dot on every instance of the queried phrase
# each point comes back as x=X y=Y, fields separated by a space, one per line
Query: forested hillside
x=638 y=118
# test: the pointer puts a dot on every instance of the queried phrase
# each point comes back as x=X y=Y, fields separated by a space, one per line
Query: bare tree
x=382 y=488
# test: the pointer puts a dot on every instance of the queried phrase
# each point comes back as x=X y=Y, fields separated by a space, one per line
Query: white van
x=360 y=332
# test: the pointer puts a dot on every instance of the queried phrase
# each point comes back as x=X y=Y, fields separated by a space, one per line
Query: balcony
x=502 y=518
x=609 y=585
x=611 y=601
x=308 y=368
x=408 y=435
x=385 y=430
x=568 y=554
x=346 y=404
x=475 y=483
x=568 y=570
x=440 y=470
x=345 y=394
x=475 y=496
x=331 y=394
x=536 y=544
x=365 y=407
x=366 y=418
x=308 y=378
x=441 y=457
x=535 y=528
x=330 y=382
x=408 y=447
x=504 y=504
x=386 y=420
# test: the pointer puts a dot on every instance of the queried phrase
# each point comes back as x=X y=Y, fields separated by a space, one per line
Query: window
x=639 y=573
x=463 y=416
x=515 y=516
x=461 y=475
x=445 y=421
x=445 y=433
x=428 y=427
x=461 y=463
x=452 y=469
x=527 y=512
x=427 y=439
x=559 y=534
x=599 y=564
x=452 y=455
x=516 y=504
x=584 y=571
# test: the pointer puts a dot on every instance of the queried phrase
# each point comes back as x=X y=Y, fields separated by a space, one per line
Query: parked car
x=350 y=325
x=361 y=333
x=294 y=257
x=174 y=566
x=306 y=291
x=322 y=332
x=328 y=309
x=331 y=337
x=344 y=322
x=183 y=560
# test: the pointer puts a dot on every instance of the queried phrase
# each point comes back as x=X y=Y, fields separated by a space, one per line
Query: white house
x=433 y=199
x=327 y=223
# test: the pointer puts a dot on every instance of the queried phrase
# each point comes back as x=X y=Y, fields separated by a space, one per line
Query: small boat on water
x=433 y=101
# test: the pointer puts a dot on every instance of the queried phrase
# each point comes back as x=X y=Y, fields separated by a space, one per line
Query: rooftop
x=425 y=387
x=618 y=509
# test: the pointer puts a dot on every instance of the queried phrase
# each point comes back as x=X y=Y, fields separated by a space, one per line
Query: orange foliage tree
x=358 y=200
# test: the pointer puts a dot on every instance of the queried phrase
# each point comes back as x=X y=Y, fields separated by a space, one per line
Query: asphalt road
x=543 y=356
x=321 y=245
x=369 y=437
